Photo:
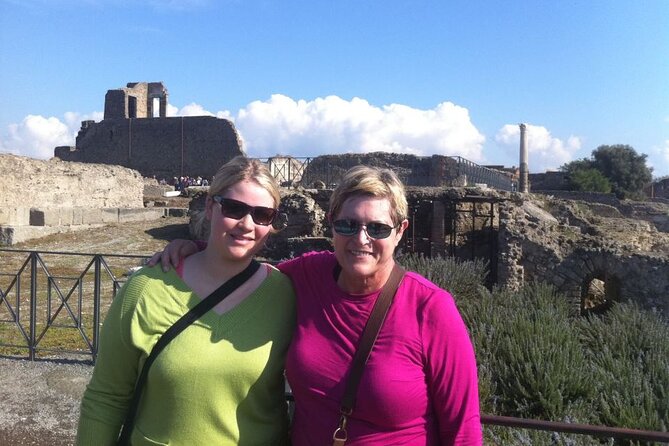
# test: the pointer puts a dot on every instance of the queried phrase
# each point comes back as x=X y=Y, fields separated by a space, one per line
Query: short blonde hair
x=373 y=182
x=239 y=169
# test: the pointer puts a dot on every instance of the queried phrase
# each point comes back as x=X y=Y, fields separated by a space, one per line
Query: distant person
x=220 y=381
x=420 y=385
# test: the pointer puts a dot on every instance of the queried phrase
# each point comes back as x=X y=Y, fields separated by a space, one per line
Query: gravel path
x=39 y=401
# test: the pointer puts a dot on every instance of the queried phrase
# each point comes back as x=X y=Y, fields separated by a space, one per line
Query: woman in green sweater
x=220 y=381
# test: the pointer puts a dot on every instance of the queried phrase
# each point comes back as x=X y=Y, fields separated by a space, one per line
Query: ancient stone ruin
x=41 y=197
x=137 y=133
x=595 y=253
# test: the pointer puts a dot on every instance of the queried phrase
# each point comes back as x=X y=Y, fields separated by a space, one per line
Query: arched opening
x=599 y=292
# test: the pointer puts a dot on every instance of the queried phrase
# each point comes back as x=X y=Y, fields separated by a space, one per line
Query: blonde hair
x=373 y=182
x=239 y=169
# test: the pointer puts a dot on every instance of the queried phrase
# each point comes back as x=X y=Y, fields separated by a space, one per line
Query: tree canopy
x=619 y=165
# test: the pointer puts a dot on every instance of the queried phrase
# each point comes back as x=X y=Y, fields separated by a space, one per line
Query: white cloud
x=191 y=109
x=545 y=152
x=328 y=125
x=37 y=136
x=658 y=159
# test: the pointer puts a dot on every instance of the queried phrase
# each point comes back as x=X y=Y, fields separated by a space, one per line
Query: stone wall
x=436 y=170
x=41 y=197
x=164 y=147
x=131 y=135
x=590 y=197
x=569 y=244
x=548 y=181
x=58 y=184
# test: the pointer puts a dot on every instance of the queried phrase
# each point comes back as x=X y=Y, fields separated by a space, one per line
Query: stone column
x=524 y=185
x=163 y=105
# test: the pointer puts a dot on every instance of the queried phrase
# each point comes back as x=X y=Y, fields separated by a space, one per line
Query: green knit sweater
x=218 y=382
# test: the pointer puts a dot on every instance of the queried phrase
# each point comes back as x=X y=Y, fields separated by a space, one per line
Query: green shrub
x=629 y=352
x=537 y=360
x=537 y=355
x=461 y=278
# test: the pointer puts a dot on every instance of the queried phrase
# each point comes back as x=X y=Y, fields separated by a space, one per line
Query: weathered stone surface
x=133 y=135
x=29 y=182
x=630 y=255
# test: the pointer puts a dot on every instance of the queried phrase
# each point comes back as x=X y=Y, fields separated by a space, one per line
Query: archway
x=598 y=292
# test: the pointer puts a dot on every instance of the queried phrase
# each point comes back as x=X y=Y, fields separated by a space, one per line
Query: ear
x=400 y=231
x=209 y=207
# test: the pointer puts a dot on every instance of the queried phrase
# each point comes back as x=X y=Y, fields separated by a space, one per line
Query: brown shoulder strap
x=369 y=335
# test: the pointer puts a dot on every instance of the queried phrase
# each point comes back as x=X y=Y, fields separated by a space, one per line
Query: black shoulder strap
x=194 y=314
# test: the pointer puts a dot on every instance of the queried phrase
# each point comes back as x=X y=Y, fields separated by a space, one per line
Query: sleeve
x=451 y=372
x=108 y=394
x=289 y=267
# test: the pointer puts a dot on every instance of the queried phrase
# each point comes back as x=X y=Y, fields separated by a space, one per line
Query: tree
x=625 y=170
x=590 y=179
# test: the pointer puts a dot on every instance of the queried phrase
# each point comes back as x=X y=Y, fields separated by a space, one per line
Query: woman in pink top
x=419 y=386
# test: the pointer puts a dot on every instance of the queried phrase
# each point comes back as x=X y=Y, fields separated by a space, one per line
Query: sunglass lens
x=263 y=216
x=346 y=227
x=378 y=230
x=234 y=209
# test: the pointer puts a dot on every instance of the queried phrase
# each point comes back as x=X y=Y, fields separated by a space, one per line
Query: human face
x=239 y=239
x=366 y=262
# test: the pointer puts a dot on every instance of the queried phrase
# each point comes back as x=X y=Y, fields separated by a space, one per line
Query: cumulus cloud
x=545 y=152
x=37 y=136
x=282 y=125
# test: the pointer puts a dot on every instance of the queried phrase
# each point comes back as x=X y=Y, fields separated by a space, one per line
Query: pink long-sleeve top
x=419 y=386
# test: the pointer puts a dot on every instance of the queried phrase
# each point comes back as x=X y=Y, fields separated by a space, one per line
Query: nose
x=362 y=235
x=247 y=221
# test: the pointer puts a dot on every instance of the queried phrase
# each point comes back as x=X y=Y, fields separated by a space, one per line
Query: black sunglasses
x=237 y=210
x=375 y=230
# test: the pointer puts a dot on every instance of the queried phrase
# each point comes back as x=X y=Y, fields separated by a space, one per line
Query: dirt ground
x=39 y=401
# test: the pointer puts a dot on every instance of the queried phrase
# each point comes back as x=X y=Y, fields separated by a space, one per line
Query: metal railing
x=55 y=301
x=561 y=427
x=97 y=269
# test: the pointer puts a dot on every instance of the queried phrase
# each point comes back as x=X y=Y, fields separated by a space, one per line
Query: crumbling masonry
x=137 y=133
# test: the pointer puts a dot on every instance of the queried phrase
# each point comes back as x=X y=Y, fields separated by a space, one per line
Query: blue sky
x=304 y=78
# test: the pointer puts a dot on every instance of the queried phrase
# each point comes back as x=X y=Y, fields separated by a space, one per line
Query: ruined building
x=137 y=133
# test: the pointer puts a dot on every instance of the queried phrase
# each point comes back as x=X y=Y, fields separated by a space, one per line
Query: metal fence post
x=33 y=306
x=96 y=306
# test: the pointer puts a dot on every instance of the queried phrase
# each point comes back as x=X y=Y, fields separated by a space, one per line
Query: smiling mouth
x=360 y=253
x=241 y=238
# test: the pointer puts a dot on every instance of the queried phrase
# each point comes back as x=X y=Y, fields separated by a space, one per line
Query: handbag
x=369 y=335
x=191 y=316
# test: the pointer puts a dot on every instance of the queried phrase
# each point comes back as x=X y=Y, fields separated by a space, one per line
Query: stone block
x=15 y=216
x=7 y=236
x=77 y=216
x=177 y=212
x=110 y=215
x=66 y=216
x=92 y=216
x=140 y=214
x=44 y=217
